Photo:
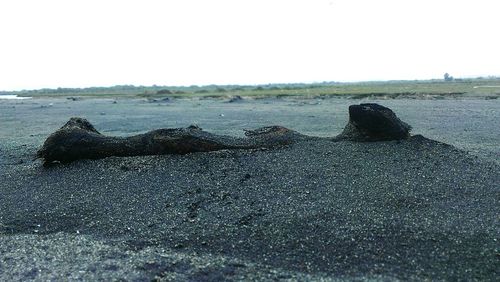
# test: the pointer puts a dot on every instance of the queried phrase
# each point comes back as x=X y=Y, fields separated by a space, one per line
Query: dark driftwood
x=78 y=139
x=373 y=122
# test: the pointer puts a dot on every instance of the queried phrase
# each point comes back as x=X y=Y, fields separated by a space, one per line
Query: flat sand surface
x=416 y=209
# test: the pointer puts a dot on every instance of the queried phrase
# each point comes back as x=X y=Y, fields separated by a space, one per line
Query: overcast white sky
x=80 y=43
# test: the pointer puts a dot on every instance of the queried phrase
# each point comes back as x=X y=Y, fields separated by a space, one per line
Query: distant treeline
x=132 y=89
x=195 y=89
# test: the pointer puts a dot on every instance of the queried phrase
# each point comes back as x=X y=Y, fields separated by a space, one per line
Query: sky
x=83 y=43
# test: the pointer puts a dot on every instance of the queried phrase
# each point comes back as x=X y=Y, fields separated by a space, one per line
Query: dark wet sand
x=415 y=209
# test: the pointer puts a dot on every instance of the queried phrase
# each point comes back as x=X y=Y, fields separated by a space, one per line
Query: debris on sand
x=78 y=139
x=373 y=122
x=236 y=98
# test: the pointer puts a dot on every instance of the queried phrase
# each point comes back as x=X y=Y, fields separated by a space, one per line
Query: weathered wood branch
x=78 y=139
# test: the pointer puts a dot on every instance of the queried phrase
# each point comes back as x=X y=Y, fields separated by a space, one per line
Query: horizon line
x=254 y=85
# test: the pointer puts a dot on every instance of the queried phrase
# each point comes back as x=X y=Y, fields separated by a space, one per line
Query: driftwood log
x=78 y=139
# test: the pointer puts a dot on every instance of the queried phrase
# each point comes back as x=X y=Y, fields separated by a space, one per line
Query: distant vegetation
x=448 y=77
x=446 y=86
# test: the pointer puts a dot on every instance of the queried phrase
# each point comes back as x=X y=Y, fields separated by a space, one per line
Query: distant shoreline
x=13 y=97
x=479 y=87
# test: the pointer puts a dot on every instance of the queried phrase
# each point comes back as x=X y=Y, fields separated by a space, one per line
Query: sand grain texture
x=411 y=209
x=315 y=210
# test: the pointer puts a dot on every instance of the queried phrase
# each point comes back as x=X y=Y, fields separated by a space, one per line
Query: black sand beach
x=415 y=209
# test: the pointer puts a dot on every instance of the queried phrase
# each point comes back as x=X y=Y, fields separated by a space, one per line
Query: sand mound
x=408 y=209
